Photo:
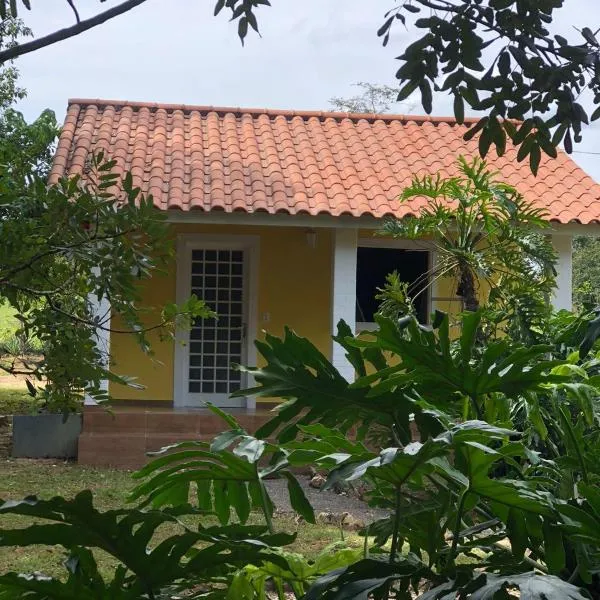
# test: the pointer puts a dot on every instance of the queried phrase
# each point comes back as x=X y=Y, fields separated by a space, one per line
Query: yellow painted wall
x=294 y=289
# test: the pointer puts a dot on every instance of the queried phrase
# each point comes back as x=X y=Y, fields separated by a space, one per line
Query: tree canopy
x=64 y=245
x=501 y=58
x=372 y=98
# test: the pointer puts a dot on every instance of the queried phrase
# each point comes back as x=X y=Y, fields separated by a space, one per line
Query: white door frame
x=186 y=242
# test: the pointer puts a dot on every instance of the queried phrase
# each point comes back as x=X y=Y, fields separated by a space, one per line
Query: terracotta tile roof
x=234 y=159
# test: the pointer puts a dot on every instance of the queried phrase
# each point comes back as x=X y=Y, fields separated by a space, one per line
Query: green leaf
x=531 y=586
x=225 y=439
x=128 y=536
x=359 y=580
x=591 y=335
x=298 y=499
x=227 y=417
x=535 y=156
x=250 y=449
x=426 y=95
x=475 y=129
x=517 y=532
x=554 y=550
x=407 y=90
x=221 y=501
x=237 y=493
x=219 y=7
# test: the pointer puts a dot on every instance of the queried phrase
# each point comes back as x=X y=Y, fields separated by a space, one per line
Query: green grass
x=16 y=401
x=45 y=479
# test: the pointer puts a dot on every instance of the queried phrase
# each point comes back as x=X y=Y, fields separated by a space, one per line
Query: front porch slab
x=121 y=436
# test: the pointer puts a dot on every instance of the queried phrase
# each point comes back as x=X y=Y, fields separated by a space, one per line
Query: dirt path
x=323 y=501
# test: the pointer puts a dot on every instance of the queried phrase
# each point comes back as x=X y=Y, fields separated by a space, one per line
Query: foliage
x=465 y=488
x=251 y=581
x=395 y=297
x=60 y=246
x=373 y=98
x=226 y=473
x=26 y=149
x=126 y=534
x=586 y=271
x=481 y=230
x=11 y=31
x=487 y=501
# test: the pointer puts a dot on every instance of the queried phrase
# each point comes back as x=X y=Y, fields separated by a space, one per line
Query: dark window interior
x=372 y=266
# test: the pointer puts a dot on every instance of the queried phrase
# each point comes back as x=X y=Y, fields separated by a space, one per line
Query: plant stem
x=476 y=406
x=395 y=537
x=574 y=575
x=457 y=524
x=566 y=418
x=396 y=531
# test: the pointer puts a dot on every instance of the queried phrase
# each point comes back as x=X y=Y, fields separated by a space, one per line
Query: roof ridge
x=271 y=112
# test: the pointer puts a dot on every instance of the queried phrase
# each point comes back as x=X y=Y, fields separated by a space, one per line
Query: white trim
x=186 y=242
x=562 y=297
x=343 y=293
x=323 y=220
x=275 y=220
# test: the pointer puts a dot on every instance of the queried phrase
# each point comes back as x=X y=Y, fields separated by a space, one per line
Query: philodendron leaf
x=531 y=586
x=298 y=499
x=591 y=335
x=15 y=586
x=359 y=580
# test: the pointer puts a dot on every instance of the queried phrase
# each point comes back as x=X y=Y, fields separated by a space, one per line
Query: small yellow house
x=274 y=213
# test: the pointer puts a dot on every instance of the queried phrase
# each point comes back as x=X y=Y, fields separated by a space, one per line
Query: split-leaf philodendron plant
x=486 y=457
x=482 y=449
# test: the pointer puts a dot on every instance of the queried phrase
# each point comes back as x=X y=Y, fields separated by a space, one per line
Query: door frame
x=186 y=242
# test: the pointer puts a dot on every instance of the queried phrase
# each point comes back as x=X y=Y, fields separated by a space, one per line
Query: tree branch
x=72 y=5
x=57 y=250
x=68 y=32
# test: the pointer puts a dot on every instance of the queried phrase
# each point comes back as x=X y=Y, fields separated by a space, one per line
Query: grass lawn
x=14 y=398
x=20 y=478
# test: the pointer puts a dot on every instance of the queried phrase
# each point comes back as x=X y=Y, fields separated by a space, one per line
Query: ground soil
x=325 y=501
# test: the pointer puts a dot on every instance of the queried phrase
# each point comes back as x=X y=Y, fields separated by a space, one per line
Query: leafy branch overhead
x=501 y=57
x=498 y=57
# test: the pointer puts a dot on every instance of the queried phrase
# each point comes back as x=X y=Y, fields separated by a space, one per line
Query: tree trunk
x=466 y=290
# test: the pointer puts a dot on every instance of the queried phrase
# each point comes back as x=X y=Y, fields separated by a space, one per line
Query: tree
x=374 y=98
x=586 y=271
x=482 y=230
x=62 y=246
x=493 y=56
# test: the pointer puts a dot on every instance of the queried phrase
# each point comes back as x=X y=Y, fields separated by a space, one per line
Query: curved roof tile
x=232 y=159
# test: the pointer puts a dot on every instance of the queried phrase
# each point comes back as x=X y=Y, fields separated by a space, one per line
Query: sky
x=176 y=51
